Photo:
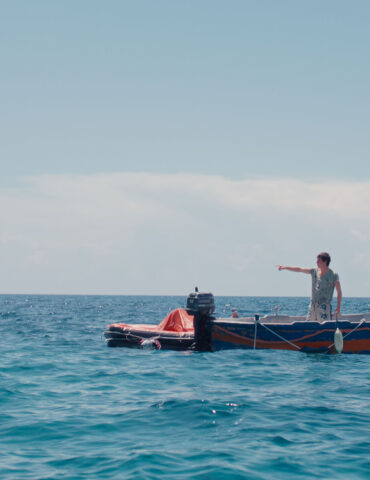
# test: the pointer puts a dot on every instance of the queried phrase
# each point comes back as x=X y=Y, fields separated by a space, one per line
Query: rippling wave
x=71 y=408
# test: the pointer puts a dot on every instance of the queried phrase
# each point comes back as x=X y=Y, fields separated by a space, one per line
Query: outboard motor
x=202 y=306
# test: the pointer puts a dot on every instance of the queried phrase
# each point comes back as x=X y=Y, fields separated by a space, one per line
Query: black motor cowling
x=202 y=306
x=203 y=303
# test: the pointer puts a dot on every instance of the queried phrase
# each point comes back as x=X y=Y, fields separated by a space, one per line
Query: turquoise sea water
x=72 y=408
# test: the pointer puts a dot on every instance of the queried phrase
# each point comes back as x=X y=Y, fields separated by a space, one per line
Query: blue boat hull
x=299 y=336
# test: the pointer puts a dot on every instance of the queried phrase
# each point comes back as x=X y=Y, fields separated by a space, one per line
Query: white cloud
x=152 y=233
x=360 y=234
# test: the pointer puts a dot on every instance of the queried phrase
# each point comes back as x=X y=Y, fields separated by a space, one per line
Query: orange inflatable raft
x=175 y=332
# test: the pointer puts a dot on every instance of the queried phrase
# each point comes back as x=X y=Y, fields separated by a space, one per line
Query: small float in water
x=197 y=328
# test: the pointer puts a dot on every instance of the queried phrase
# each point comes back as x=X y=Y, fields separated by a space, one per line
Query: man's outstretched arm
x=295 y=269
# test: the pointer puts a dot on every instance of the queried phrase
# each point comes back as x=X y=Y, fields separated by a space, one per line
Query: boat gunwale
x=352 y=319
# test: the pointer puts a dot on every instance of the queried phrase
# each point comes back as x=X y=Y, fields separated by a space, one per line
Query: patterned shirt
x=323 y=286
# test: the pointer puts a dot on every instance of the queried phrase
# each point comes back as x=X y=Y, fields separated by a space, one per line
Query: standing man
x=323 y=282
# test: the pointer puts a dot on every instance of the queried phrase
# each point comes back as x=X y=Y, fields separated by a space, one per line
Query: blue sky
x=267 y=96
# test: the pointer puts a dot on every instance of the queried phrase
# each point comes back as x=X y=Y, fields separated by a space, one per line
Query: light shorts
x=319 y=312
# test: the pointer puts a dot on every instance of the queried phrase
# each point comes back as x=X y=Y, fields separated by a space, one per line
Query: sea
x=72 y=408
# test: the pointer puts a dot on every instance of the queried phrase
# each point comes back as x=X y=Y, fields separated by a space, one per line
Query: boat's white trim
x=287 y=319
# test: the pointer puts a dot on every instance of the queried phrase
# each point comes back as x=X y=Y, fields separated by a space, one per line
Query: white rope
x=356 y=327
x=126 y=335
x=279 y=336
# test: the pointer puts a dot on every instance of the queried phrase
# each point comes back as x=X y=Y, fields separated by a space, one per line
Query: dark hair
x=325 y=257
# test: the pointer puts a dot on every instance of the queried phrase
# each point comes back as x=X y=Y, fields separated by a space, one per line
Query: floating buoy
x=235 y=313
x=338 y=340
